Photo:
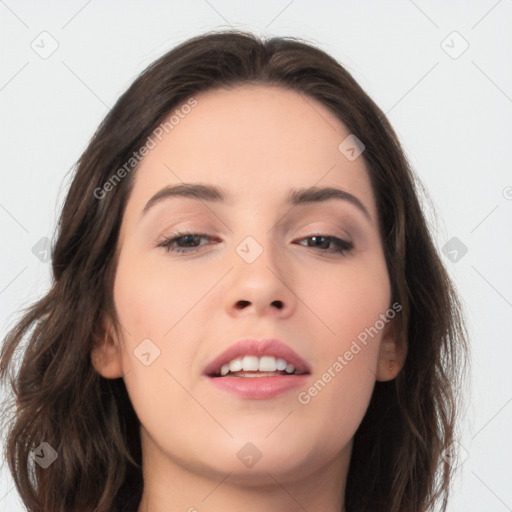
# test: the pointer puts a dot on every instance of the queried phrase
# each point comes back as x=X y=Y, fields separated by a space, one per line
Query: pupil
x=189 y=239
x=318 y=238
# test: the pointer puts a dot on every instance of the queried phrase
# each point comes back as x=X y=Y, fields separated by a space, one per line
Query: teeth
x=289 y=368
x=255 y=364
x=281 y=364
x=250 y=364
x=235 y=365
x=267 y=364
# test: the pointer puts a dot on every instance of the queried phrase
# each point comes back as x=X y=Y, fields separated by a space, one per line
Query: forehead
x=256 y=142
x=257 y=123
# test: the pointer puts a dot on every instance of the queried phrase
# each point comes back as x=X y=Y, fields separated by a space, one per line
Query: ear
x=392 y=352
x=106 y=354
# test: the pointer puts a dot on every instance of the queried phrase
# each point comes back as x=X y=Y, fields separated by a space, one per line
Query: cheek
x=350 y=304
x=154 y=298
x=156 y=307
x=348 y=300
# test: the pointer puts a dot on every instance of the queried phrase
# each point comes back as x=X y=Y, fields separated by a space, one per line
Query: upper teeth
x=255 y=363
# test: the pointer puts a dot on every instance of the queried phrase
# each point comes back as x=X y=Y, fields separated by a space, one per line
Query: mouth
x=253 y=358
x=254 y=366
x=258 y=369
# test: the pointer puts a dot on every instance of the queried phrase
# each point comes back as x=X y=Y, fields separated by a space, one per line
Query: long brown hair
x=399 y=458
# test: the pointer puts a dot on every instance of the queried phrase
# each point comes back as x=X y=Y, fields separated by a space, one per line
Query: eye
x=322 y=242
x=187 y=239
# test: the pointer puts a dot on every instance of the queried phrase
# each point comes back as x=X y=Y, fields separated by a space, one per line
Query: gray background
x=450 y=105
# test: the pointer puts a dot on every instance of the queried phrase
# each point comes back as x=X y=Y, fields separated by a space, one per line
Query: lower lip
x=259 y=388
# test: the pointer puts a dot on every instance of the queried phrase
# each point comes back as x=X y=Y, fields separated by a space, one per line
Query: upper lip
x=259 y=348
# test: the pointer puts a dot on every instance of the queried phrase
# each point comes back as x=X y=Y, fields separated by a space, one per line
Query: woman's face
x=257 y=273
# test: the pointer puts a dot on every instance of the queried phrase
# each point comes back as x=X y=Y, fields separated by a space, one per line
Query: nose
x=260 y=287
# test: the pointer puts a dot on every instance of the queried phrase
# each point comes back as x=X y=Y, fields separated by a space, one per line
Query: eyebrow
x=212 y=193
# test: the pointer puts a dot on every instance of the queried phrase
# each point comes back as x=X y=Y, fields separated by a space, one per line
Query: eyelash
x=341 y=246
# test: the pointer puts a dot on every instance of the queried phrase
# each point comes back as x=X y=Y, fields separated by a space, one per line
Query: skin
x=255 y=142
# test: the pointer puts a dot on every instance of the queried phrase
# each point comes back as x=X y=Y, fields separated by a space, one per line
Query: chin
x=250 y=462
x=265 y=471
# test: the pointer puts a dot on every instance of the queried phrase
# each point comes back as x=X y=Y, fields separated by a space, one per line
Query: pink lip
x=259 y=348
x=258 y=388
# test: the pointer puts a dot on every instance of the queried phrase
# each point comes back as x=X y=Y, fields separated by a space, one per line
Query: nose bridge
x=255 y=233
x=257 y=260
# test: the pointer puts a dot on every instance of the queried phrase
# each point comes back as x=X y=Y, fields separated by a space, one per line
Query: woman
x=247 y=306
